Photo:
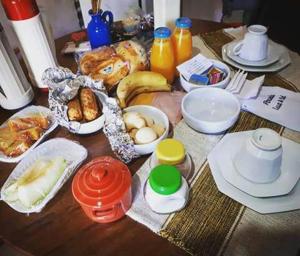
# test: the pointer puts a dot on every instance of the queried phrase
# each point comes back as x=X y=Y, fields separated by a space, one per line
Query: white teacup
x=254 y=46
x=260 y=158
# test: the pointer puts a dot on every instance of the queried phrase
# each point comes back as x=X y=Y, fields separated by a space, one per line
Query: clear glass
x=185 y=166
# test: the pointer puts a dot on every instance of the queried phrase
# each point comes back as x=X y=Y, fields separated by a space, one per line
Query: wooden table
x=62 y=228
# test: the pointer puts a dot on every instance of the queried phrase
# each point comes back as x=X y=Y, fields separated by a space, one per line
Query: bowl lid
x=165 y=179
x=101 y=182
x=170 y=151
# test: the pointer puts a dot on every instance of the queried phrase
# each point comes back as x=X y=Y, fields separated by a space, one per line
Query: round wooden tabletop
x=62 y=228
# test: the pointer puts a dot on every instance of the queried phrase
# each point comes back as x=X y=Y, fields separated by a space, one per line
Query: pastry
x=89 y=104
x=20 y=133
x=18 y=147
x=134 y=53
x=74 y=110
x=145 y=135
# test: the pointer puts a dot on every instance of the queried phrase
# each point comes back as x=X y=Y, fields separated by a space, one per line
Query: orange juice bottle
x=162 y=58
x=182 y=40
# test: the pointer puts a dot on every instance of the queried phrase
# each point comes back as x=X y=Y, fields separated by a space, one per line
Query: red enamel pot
x=103 y=189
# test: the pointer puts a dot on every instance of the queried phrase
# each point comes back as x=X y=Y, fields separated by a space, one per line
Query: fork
x=231 y=85
x=240 y=83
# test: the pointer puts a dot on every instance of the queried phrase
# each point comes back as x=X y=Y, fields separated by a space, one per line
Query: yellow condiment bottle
x=162 y=58
x=170 y=151
x=182 y=40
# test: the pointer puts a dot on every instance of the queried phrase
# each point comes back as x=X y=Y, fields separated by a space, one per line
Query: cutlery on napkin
x=245 y=89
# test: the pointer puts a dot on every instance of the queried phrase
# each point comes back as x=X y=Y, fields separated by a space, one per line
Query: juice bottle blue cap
x=183 y=22
x=162 y=32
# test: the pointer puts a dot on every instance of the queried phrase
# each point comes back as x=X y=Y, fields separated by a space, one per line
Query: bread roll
x=89 y=104
x=74 y=110
x=91 y=60
x=134 y=53
x=111 y=71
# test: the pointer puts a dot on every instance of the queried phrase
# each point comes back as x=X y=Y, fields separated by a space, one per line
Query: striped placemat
x=205 y=226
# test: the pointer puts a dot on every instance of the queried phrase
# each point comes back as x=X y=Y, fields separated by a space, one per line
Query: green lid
x=165 y=179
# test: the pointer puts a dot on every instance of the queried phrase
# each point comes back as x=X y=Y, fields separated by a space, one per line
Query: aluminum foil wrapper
x=115 y=130
x=64 y=85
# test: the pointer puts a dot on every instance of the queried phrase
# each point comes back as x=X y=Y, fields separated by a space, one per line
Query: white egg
x=145 y=135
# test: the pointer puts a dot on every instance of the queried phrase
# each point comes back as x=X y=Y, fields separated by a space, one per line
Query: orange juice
x=182 y=40
x=162 y=58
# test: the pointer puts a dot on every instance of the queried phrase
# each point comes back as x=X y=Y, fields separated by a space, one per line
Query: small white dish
x=25 y=113
x=224 y=153
x=187 y=86
x=159 y=117
x=272 y=56
x=71 y=151
x=210 y=110
x=93 y=126
x=283 y=61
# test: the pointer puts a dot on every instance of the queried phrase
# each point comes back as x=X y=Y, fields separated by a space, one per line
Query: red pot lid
x=20 y=9
x=101 y=182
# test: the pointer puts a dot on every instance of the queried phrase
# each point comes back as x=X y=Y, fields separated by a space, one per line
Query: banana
x=140 y=82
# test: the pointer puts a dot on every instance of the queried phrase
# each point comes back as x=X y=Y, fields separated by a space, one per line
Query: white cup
x=260 y=158
x=254 y=46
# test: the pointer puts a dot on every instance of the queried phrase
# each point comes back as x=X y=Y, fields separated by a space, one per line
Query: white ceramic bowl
x=93 y=126
x=187 y=86
x=159 y=117
x=210 y=110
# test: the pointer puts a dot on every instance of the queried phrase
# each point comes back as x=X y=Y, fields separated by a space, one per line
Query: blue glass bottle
x=99 y=28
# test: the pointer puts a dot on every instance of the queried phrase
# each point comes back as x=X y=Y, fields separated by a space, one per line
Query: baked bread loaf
x=111 y=71
x=89 y=104
x=134 y=53
x=91 y=60
x=104 y=64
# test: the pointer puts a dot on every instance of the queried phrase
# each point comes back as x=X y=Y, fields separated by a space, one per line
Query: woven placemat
x=205 y=226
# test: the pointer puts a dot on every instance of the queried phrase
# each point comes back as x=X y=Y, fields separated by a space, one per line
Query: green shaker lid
x=165 y=179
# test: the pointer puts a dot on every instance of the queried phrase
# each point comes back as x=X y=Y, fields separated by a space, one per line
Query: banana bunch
x=140 y=82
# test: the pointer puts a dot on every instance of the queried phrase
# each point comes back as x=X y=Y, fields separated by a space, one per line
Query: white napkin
x=277 y=105
x=251 y=88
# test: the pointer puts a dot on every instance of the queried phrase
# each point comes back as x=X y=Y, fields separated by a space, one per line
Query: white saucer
x=273 y=55
x=283 y=61
x=281 y=186
x=284 y=203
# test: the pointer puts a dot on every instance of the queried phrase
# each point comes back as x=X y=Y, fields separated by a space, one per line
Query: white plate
x=274 y=52
x=266 y=205
x=281 y=186
x=74 y=153
x=283 y=61
x=24 y=113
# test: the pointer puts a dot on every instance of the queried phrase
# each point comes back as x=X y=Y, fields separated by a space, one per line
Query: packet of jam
x=215 y=75
x=199 y=79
